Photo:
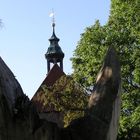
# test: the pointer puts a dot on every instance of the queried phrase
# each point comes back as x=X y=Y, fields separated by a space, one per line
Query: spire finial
x=53 y=18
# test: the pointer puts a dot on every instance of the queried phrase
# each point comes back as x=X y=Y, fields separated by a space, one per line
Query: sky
x=27 y=27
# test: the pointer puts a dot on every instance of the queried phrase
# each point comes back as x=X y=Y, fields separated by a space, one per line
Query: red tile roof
x=39 y=98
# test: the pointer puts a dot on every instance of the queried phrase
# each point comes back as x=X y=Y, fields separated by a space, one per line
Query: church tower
x=54 y=53
x=54 y=57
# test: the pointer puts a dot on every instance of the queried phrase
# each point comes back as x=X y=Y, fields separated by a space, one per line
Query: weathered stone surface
x=19 y=119
x=10 y=87
x=104 y=102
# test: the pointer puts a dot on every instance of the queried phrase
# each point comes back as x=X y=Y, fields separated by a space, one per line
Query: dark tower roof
x=54 y=51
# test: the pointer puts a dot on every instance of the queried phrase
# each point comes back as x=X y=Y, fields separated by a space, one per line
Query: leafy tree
x=122 y=32
x=68 y=97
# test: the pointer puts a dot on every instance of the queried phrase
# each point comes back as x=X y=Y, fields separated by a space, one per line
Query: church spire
x=54 y=53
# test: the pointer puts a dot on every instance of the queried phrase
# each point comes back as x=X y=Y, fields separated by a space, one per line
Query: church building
x=54 y=57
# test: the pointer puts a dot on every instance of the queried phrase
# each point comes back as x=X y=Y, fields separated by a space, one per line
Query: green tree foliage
x=68 y=97
x=123 y=32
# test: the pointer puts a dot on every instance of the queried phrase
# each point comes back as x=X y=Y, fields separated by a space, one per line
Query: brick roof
x=39 y=98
